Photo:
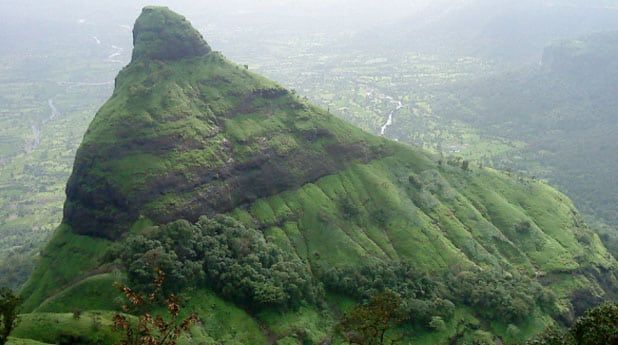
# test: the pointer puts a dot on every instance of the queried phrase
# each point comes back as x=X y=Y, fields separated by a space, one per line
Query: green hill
x=272 y=217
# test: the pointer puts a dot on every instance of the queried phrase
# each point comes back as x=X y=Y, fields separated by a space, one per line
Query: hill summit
x=271 y=217
x=161 y=34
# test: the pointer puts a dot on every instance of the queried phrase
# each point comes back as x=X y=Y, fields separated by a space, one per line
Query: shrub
x=348 y=208
x=551 y=336
x=95 y=321
x=437 y=324
x=512 y=331
x=465 y=165
x=415 y=181
x=523 y=227
x=380 y=217
x=72 y=339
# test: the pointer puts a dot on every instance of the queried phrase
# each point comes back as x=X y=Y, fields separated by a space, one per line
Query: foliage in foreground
x=598 y=326
x=9 y=304
x=367 y=324
x=149 y=329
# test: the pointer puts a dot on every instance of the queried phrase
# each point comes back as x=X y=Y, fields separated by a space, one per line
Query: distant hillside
x=590 y=60
x=271 y=217
x=508 y=30
x=565 y=110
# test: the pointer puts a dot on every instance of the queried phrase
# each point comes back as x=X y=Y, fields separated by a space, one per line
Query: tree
x=597 y=326
x=367 y=324
x=437 y=324
x=498 y=296
x=9 y=304
x=523 y=227
x=465 y=165
x=149 y=329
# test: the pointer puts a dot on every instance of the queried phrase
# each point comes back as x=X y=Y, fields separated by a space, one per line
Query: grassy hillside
x=319 y=216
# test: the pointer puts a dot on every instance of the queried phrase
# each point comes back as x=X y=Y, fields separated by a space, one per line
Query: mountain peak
x=161 y=34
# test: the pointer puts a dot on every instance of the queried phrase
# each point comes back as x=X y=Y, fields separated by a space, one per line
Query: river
x=36 y=129
x=389 y=121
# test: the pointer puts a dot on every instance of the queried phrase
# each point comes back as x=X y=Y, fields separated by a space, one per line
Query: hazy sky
x=340 y=11
x=234 y=24
x=23 y=20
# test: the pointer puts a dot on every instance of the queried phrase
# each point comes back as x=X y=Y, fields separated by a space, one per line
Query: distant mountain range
x=503 y=29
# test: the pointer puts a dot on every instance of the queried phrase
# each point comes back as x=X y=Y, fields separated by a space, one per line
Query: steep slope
x=188 y=134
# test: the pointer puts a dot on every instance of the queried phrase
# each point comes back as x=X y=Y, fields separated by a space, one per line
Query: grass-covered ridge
x=308 y=199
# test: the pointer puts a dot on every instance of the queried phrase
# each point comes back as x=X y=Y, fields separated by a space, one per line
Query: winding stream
x=36 y=132
x=36 y=129
x=54 y=111
x=389 y=122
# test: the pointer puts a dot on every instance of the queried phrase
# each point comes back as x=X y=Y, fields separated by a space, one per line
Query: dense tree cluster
x=374 y=277
x=495 y=296
x=422 y=297
x=507 y=297
x=238 y=263
x=234 y=260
